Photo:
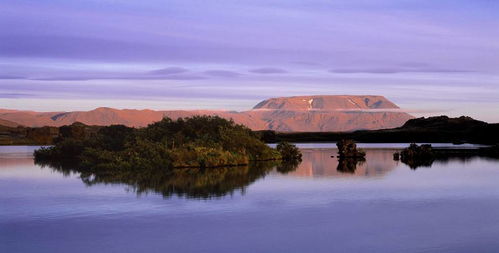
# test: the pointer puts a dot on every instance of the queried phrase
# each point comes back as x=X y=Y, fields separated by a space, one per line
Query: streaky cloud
x=7 y=77
x=168 y=71
x=118 y=77
x=222 y=73
x=16 y=95
x=268 y=70
x=396 y=70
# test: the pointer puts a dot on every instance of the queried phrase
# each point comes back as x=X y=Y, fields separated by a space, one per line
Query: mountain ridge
x=285 y=114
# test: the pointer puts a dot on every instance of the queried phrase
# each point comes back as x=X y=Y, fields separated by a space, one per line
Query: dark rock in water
x=348 y=149
x=416 y=156
x=423 y=156
x=417 y=152
x=349 y=156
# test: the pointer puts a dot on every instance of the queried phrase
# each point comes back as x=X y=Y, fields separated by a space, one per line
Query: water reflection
x=417 y=163
x=319 y=163
x=189 y=182
x=349 y=165
x=442 y=160
x=8 y=163
x=218 y=182
x=451 y=207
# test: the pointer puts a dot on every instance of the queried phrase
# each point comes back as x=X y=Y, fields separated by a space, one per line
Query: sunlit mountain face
x=285 y=114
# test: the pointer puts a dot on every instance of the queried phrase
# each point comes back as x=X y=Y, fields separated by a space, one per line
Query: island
x=195 y=142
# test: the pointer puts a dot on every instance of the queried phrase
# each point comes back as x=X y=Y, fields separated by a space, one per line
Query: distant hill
x=442 y=123
x=286 y=114
x=440 y=129
x=8 y=123
x=433 y=129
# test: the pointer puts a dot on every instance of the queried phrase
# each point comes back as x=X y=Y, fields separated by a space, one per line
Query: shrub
x=200 y=141
x=289 y=152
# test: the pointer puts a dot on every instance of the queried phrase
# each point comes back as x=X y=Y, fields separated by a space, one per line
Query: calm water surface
x=380 y=206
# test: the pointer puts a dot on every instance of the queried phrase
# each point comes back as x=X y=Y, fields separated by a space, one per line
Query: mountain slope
x=329 y=113
x=287 y=114
x=8 y=123
x=328 y=102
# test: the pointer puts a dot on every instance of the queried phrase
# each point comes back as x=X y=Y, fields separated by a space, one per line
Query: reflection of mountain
x=15 y=162
x=319 y=163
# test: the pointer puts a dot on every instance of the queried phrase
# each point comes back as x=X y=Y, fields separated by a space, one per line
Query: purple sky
x=430 y=57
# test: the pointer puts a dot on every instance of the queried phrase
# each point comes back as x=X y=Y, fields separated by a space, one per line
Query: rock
x=348 y=149
x=417 y=156
x=417 y=152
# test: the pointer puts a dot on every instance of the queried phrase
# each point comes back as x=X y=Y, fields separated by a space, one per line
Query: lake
x=321 y=205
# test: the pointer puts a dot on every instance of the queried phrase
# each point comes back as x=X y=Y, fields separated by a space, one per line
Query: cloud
x=126 y=32
x=306 y=63
x=268 y=70
x=15 y=95
x=222 y=73
x=119 y=77
x=105 y=76
x=168 y=71
x=86 y=73
x=7 y=77
x=403 y=68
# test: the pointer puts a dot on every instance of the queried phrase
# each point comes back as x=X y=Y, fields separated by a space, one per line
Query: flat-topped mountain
x=286 y=114
x=328 y=102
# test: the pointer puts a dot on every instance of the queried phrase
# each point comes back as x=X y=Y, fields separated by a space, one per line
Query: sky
x=429 y=57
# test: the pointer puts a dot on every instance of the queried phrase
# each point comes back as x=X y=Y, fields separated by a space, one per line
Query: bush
x=289 y=152
x=200 y=141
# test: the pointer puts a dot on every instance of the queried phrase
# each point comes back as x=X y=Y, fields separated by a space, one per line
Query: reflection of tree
x=189 y=182
x=419 y=162
x=423 y=156
x=349 y=165
x=288 y=166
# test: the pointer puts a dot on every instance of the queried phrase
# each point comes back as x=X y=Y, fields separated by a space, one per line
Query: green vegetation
x=440 y=129
x=289 y=152
x=192 y=157
x=197 y=142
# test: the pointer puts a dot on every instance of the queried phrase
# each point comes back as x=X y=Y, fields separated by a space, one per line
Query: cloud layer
x=417 y=52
